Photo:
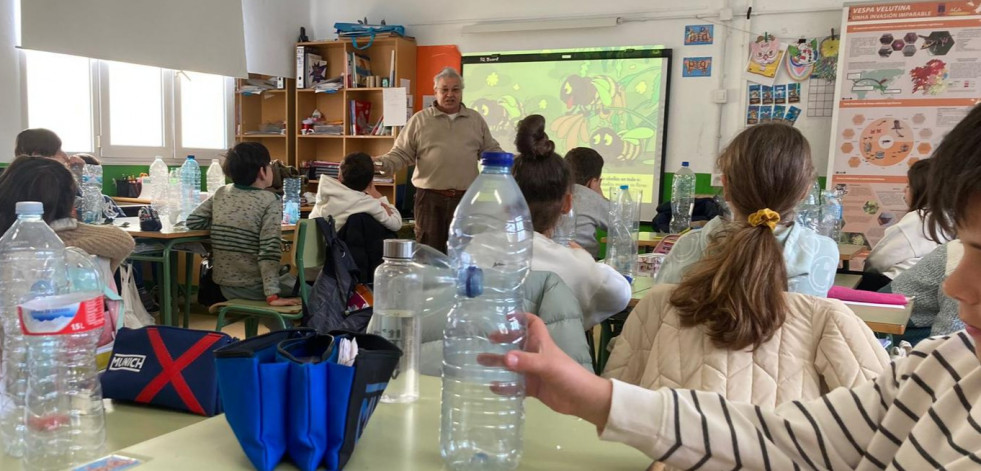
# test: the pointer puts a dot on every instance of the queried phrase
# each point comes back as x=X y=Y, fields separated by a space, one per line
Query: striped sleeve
x=701 y=430
x=270 y=247
x=200 y=218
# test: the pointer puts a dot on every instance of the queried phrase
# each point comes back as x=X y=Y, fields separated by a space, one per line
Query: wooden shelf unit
x=270 y=106
x=335 y=106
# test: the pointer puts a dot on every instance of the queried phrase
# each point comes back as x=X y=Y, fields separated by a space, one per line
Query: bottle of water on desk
x=159 y=179
x=32 y=265
x=291 y=200
x=490 y=245
x=398 y=291
x=65 y=418
x=216 y=177
x=621 y=250
x=682 y=198
x=190 y=186
x=92 y=200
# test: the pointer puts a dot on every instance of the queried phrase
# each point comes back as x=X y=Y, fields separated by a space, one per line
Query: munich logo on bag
x=132 y=363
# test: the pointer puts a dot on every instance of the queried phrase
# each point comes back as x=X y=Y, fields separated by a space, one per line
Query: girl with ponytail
x=765 y=167
x=731 y=326
x=546 y=181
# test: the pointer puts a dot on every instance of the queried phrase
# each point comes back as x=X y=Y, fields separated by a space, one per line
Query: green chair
x=308 y=252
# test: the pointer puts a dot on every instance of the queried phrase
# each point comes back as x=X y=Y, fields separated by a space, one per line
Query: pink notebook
x=872 y=297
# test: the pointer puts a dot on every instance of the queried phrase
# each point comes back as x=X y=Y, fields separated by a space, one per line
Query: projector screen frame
x=651 y=52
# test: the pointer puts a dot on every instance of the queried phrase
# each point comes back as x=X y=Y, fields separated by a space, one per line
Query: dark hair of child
x=357 y=171
x=243 y=162
x=544 y=177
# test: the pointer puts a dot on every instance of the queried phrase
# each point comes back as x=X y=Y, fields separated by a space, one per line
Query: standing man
x=444 y=142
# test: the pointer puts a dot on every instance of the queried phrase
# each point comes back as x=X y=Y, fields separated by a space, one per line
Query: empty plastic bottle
x=93 y=211
x=159 y=179
x=216 y=176
x=682 y=198
x=621 y=248
x=564 y=231
x=398 y=295
x=291 y=200
x=65 y=418
x=32 y=265
x=190 y=174
x=490 y=244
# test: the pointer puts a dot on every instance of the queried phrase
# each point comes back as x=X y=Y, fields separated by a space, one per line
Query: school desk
x=127 y=425
x=401 y=437
x=166 y=257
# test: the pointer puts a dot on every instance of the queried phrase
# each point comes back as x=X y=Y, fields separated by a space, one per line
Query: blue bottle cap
x=684 y=164
x=497 y=159
x=471 y=282
x=624 y=187
x=190 y=157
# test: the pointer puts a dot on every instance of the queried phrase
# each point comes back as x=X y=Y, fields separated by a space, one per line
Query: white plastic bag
x=134 y=314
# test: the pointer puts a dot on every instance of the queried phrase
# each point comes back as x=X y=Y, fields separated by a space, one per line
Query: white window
x=127 y=113
x=59 y=98
x=204 y=121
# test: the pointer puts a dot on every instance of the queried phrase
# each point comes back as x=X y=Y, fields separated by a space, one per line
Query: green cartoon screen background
x=615 y=106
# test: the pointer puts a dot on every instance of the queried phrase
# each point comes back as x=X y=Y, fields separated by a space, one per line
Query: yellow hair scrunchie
x=765 y=217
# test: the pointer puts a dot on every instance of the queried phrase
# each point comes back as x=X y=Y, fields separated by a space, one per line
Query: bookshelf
x=257 y=113
x=335 y=107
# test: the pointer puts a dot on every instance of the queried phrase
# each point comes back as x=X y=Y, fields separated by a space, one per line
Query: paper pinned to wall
x=394 y=106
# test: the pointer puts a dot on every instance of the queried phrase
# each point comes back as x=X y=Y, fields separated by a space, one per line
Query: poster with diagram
x=908 y=73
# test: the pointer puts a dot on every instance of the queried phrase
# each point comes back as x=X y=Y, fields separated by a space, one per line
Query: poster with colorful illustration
x=801 y=57
x=910 y=72
x=765 y=55
x=699 y=34
x=696 y=67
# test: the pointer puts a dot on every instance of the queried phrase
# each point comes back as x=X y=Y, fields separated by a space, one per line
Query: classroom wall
x=694 y=132
x=10 y=87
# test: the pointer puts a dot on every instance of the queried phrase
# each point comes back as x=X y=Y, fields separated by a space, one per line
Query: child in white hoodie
x=354 y=193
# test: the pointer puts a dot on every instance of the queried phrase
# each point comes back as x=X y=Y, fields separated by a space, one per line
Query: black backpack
x=326 y=309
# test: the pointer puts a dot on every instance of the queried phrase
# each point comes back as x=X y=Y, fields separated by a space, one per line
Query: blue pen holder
x=288 y=396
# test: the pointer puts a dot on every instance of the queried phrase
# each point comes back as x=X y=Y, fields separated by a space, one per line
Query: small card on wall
x=779 y=112
x=699 y=34
x=765 y=114
x=792 y=113
x=793 y=93
x=767 y=92
x=780 y=94
x=754 y=94
x=753 y=114
x=696 y=67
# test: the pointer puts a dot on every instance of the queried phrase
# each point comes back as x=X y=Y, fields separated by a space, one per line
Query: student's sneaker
x=149 y=303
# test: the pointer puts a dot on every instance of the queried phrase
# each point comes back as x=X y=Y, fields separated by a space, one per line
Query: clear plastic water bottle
x=174 y=197
x=159 y=178
x=216 y=176
x=32 y=264
x=190 y=186
x=682 y=198
x=809 y=209
x=831 y=213
x=93 y=211
x=398 y=295
x=490 y=244
x=438 y=280
x=621 y=247
x=65 y=417
x=564 y=231
x=291 y=200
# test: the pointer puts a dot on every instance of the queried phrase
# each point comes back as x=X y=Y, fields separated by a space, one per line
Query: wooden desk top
x=401 y=437
x=123 y=199
x=132 y=226
x=847 y=252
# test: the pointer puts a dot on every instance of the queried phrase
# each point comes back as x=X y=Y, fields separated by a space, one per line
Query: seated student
x=592 y=209
x=246 y=229
x=731 y=314
x=354 y=193
x=905 y=242
x=934 y=313
x=810 y=259
x=546 y=182
x=48 y=181
x=111 y=208
x=919 y=415
x=40 y=142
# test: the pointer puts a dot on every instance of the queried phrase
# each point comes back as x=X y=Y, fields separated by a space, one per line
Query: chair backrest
x=308 y=251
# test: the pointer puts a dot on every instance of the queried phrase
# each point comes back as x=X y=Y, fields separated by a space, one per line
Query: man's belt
x=447 y=193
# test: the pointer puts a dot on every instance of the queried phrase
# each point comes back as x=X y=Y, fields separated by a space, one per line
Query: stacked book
x=319 y=168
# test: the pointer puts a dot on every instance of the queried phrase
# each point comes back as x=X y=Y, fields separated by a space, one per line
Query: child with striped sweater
x=246 y=232
x=920 y=414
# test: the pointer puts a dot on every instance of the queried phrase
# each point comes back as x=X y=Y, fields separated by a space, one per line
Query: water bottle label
x=62 y=315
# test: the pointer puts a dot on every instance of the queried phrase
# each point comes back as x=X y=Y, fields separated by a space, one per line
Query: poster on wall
x=696 y=67
x=909 y=73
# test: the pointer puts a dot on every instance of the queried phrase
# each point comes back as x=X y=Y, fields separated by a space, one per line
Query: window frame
x=172 y=150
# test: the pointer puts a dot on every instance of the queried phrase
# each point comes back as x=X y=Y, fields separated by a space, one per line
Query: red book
x=360 y=112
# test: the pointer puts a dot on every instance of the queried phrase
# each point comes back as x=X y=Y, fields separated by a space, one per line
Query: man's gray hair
x=447 y=73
